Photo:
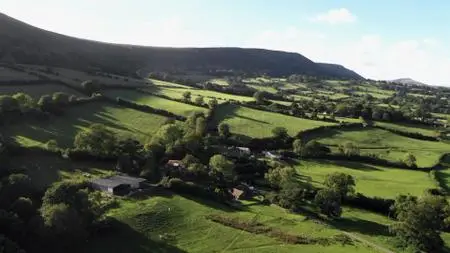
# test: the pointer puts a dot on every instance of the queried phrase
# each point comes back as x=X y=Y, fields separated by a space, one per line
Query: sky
x=379 y=39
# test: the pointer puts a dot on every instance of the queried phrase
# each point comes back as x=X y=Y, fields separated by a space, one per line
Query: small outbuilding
x=118 y=185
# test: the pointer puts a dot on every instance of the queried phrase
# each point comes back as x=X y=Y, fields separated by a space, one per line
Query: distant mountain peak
x=407 y=81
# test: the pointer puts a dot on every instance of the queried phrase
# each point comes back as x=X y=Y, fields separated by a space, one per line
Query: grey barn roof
x=117 y=180
x=106 y=182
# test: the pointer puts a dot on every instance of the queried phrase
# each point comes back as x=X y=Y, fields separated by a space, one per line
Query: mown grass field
x=428 y=131
x=155 y=102
x=184 y=224
x=389 y=145
x=125 y=122
x=259 y=124
x=36 y=91
x=178 y=93
x=371 y=180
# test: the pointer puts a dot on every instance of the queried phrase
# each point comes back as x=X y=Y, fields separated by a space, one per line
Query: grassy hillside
x=125 y=122
x=389 y=145
x=370 y=180
x=155 y=102
x=258 y=124
x=184 y=222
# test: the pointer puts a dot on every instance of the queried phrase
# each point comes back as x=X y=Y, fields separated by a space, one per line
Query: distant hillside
x=337 y=69
x=407 y=81
x=23 y=43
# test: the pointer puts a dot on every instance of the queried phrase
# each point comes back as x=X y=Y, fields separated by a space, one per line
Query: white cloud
x=335 y=16
x=371 y=55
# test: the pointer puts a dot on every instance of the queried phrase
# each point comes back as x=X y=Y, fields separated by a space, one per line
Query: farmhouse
x=118 y=185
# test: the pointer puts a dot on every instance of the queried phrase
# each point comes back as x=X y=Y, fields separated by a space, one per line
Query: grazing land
x=178 y=224
x=389 y=145
x=123 y=121
x=259 y=124
x=371 y=180
x=155 y=102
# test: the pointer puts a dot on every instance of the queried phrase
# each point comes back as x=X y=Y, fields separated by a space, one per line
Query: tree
x=90 y=87
x=24 y=208
x=187 y=96
x=386 y=116
x=224 y=130
x=329 y=202
x=200 y=126
x=279 y=176
x=410 y=160
x=259 y=97
x=420 y=222
x=46 y=103
x=349 y=149
x=314 y=148
x=291 y=195
x=8 y=104
x=189 y=159
x=280 y=132
x=297 y=146
x=96 y=139
x=52 y=145
x=25 y=101
x=212 y=103
x=168 y=135
x=60 y=98
x=64 y=222
x=199 y=100
x=221 y=164
x=340 y=182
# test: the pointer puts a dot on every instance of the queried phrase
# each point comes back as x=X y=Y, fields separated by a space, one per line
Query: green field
x=258 y=124
x=428 y=131
x=183 y=223
x=155 y=102
x=178 y=93
x=125 y=122
x=389 y=145
x=36 y=91
x=370 y=180
x=164 y=83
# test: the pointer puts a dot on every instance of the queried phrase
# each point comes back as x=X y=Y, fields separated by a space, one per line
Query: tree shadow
x=119 y=237
x=351 y=165
x=361 y=226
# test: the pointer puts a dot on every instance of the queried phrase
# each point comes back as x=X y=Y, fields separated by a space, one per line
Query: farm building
x=118 y=185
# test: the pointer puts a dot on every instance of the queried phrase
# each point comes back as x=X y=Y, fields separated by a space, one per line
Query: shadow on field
x=119 y=237
x=351 y=165
x=361 y=226
x=229 y=111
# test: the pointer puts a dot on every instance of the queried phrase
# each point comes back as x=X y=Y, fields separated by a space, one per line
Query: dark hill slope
x=339 y=70
x=23 y=43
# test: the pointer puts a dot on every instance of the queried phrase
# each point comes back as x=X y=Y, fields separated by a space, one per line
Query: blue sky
x=379 y=39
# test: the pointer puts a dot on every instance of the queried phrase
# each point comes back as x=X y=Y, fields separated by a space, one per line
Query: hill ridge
x=24 y=43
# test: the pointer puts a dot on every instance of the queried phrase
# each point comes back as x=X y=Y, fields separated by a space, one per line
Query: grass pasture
x=388 y=145
x=183 y=225
x=376 y=181
x=123 y=121
x=259 y=124
x=36 y=91
x=155 y=102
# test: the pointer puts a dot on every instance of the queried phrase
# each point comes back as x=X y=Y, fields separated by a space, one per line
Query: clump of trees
x=420 y=222
x=337 y=187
